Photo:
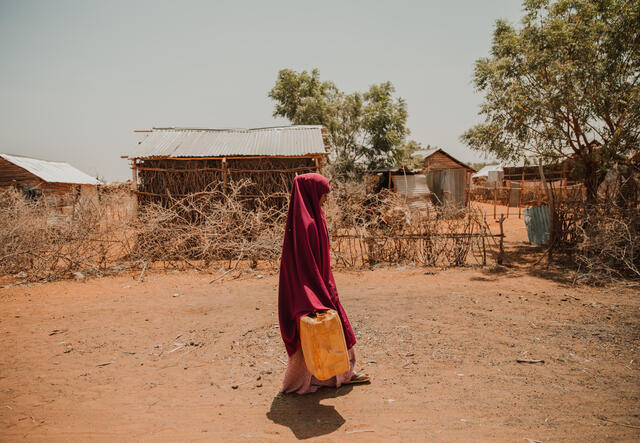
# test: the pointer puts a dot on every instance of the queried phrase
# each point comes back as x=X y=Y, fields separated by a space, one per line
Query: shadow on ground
x=524 y=259
x=304 y=414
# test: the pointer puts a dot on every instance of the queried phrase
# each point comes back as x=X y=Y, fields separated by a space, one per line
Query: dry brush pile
x=40 y=241
x=369 y=228
x=603 y=237
x=218 y=224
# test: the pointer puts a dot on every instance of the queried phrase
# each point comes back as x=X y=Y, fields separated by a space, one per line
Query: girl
x=306 y=282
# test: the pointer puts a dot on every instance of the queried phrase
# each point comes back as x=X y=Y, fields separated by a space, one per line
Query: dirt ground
x=174 y=358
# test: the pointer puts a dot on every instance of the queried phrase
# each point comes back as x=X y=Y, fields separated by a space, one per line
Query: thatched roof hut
x=178 y=162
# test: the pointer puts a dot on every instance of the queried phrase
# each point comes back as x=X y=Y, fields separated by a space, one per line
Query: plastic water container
x=323 y=345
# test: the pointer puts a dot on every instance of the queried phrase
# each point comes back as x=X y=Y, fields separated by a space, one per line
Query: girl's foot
x=360 y=378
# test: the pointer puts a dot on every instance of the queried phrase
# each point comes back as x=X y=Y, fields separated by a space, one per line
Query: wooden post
x=134 y=184
x=484 y=252
x=551 y=209
x=539 y=193
x=509 y=199
x=501 y=251
x=520 y=199
x=484 y=249
x=468 y=191
x=495 y=198
x=134 y=175
x=225 y=172
x=521 y=192
x=317 y=165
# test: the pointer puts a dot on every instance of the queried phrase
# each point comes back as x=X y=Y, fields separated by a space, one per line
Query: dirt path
x=104 y=360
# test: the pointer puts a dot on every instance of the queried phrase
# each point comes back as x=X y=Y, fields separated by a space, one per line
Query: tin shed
x=176 y=162
x=447 y=177
x=36 y=177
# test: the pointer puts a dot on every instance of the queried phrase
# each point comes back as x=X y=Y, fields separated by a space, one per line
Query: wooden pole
x=225 y=172
x=551 y=208
x=539 y=193
x=484 y=249
x=501 y=251
x=134 y=176
x=484 y=252
x=134 y=182
x=520 y=201
x=495 y=198
x=468 y=190
x=521 y=192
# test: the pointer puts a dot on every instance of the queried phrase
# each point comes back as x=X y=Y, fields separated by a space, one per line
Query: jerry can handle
x=315 y=313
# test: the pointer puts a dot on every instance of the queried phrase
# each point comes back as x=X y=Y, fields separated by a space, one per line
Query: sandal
x=360 y=378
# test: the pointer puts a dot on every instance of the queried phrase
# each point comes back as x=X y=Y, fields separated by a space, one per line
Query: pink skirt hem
x=298 y=379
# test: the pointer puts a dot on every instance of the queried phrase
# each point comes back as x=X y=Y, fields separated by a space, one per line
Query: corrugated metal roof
x=484 y=172
x=396 y=169
x=52 y=172
x=291 y=141
x=426 y=153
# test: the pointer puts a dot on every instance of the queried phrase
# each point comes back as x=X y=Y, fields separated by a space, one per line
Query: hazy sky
x=77 y=77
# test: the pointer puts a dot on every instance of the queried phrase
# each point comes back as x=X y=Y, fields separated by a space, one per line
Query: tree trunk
x=593 y=177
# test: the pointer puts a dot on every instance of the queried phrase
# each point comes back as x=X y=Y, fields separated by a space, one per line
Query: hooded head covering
x=306 y=280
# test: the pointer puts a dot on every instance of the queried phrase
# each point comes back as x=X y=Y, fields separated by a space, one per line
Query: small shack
x=177 y=162
x=447 y=177
x=410 y=185
x=489 y=174
x=36 y=178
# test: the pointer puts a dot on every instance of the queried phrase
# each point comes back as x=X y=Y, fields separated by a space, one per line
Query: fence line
x=523 y=197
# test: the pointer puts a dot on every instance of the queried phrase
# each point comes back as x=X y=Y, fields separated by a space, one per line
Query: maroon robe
x=306 y=280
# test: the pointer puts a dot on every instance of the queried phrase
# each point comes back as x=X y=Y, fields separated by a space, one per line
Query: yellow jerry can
x=323 y=344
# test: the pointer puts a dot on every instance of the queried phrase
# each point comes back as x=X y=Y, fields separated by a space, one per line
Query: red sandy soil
x=113 y=359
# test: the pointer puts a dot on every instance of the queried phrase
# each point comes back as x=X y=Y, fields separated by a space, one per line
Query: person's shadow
x=304 y=414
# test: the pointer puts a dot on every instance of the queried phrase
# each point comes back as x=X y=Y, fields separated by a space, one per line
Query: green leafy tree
x=384 y=126
x=346 y=137
x=367 y=130
x=563 y=85
x=405 y=155
x=304 y=99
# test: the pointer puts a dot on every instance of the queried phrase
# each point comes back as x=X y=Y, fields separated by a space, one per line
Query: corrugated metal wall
x=537 y=221
x=448 y=185
x=411 y=186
